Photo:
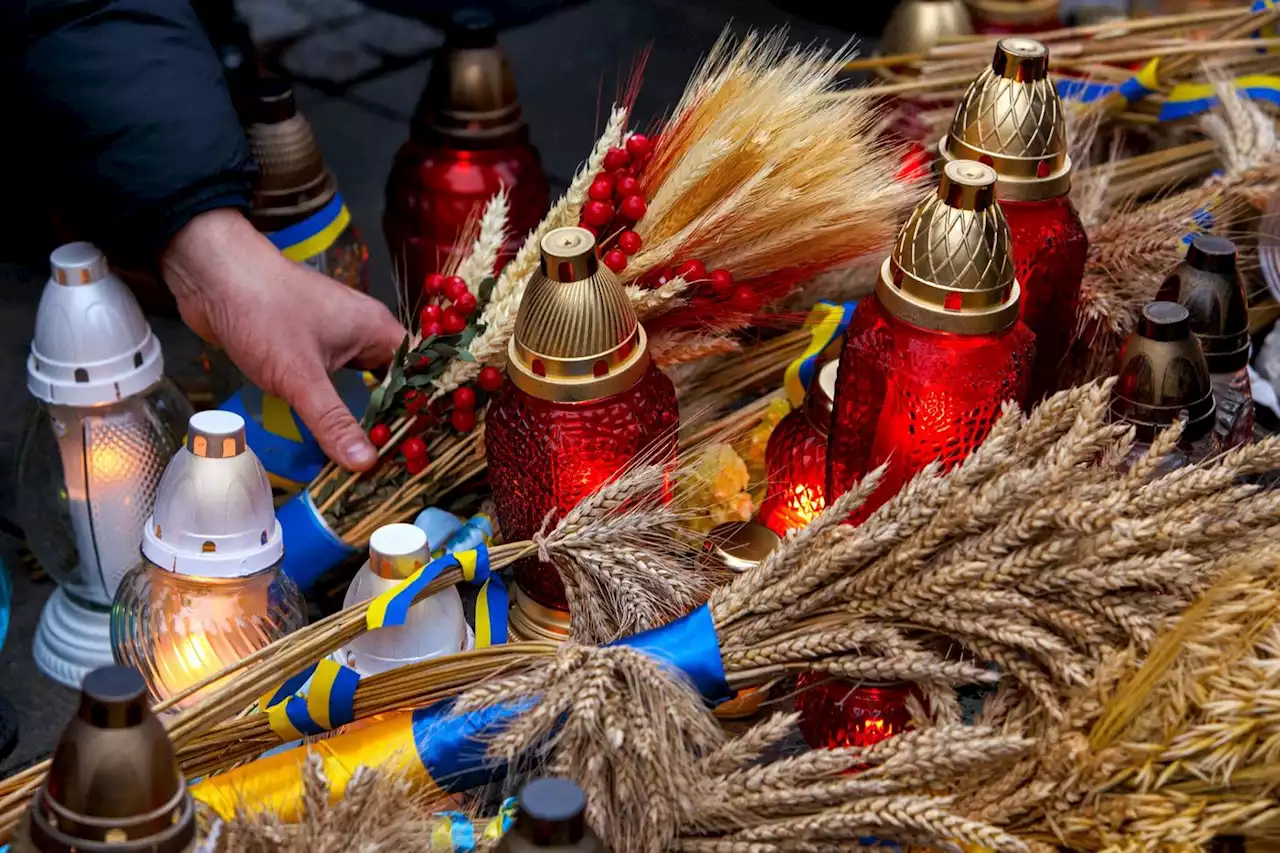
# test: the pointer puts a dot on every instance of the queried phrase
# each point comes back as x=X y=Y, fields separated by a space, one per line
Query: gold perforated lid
x=952 y=269
x=1011 y=119
x=577 y=337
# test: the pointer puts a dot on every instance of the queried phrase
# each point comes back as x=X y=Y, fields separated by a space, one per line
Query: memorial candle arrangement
x=1011 y=119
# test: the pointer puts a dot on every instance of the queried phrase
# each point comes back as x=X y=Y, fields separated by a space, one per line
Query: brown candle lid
x=1209 y=286
x=1162 y=376
x=113 y=779
x=470 y=99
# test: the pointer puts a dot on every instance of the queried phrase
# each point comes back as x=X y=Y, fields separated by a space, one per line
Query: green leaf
x=485 y=290
x=445 y=350
x=420 y=380
x=465 y=355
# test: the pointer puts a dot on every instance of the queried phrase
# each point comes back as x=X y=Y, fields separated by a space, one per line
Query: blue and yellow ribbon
x=491 y=613
x=392 y=607
x=826 y=323
x=1190 y=99
x=1146 y=81
x=329 y=703
x=438 y=749
x=313 y=235
x=455 y=832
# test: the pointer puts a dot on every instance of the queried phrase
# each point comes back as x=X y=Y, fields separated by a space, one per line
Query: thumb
x=313 y=397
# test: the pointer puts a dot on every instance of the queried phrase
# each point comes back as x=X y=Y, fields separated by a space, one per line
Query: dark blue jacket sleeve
x=131 y=116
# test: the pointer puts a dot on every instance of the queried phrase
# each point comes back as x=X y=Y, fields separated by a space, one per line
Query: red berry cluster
x=436 y=319
x=615 y=203
x=462 y=416
x=707 y=288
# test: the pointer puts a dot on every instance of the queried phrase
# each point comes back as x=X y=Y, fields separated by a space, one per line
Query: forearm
x=133 y=119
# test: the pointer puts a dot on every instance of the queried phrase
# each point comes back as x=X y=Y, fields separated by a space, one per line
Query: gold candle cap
x=293 y=181
x=398 y=550
x=1208 y=284
x=470 y=99
x=916 y=26
x=1011 y=118
x=737 y=546
x=530 y=620
x=113 y=781
x=952 y=267
x=1161 y=374
x=577 y=337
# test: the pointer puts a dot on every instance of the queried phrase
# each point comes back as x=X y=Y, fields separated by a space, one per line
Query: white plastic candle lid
x=91 y=345
x=397 y=551
x=827 y=378
x=214 y=516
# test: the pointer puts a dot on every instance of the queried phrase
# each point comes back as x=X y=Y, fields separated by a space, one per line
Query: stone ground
x=358 y=74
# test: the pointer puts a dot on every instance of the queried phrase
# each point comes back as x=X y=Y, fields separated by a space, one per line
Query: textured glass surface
x=347 y=260
x=835 y=713
x=86 y=483
x=433 y=191
x=1049 y=249
x=910 y=396
x=546 y=456
x=796 y=461
x=177 y=629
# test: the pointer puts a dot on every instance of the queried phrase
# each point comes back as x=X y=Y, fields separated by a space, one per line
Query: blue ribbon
x=310 y=547
x=690 y=647
x=452 y=747
x=1083 y=91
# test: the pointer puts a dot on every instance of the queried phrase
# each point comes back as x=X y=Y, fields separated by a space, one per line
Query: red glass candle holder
x=1011 y=118
x=434 y=190
x=1049 y=251
x=583 y=401
x=547 y=456
x=796 y=460
x=468 y=139
x=911 y=395
x=835 y=713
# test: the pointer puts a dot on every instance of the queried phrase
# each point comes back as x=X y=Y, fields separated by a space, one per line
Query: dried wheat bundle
x=1040 y=552
x=761 y=172
x=1166 y=752
x=661 y=775
x=379 y=812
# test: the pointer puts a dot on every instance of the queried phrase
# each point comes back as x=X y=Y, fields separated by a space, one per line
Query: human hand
x=286 y=327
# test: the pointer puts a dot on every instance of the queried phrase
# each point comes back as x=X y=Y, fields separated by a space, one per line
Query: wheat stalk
x=483 y=257
x=499 y=315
